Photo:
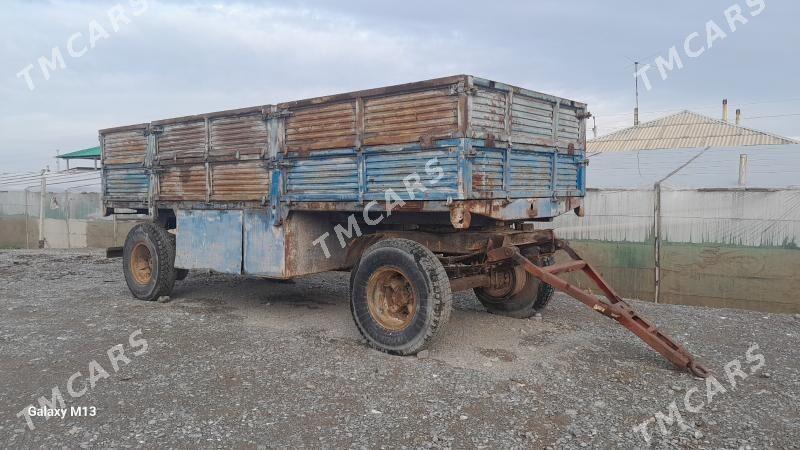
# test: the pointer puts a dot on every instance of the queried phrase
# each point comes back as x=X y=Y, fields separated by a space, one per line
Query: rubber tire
x=532 y=299
x=430 y=282
x=162 y=248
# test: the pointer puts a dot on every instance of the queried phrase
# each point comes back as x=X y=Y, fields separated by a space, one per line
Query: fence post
x=42 y=197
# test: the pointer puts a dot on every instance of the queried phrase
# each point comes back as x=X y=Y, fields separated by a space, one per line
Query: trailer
x=419 y=190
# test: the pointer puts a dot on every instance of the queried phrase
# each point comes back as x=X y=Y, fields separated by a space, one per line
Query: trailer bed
x=478 y=146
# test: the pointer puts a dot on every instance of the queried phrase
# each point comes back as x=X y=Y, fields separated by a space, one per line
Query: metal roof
x=87 y=153
x=683 y=130
x=768 y=166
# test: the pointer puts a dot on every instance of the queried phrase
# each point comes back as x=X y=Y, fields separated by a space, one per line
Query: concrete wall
x=722 y=248
x=71 y=220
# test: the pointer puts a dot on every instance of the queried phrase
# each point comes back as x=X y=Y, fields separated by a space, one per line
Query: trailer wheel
x=148 y=261
x=529 y=300
x=181 y=274
x=400 y=296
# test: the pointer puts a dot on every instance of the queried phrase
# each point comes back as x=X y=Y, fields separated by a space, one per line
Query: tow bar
x=613 y=306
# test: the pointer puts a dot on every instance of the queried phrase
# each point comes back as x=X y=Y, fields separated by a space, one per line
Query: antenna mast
x=636 y=85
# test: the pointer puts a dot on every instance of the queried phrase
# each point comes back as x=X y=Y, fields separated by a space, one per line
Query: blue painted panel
x=264 y=245
x=126 y=184
x=531 y=172
x=437 y=170
x=325 y=173
x=209 y=240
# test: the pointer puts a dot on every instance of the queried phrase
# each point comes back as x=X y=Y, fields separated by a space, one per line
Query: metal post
x=742 y=169
x=42 y=197
x=66 y=215
x=27 y=218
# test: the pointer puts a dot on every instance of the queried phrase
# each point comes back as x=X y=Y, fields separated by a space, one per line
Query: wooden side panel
x=325 y=126
x=240 y=181
x=182 y=183
x=181 y=141
x=410 y=117
x=238 y=137
x=124 y=147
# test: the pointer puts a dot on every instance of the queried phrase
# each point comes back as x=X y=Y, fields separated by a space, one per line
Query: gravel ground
x=251 y=363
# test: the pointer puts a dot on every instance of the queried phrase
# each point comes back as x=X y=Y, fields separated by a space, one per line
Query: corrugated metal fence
x=709 y=247
x=57 y=219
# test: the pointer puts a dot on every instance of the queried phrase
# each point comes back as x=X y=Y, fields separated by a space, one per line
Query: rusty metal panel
x=182 y=183
x=209 y=240
x=181 y=142
x=264 y=245
x=126 y=184
x=531 y=119
x=435 y=170
x=325 y=126
x=411 y=117
x=489 y=108
x=238 y=137
x=240 y=181
x=569 y=128
x=531 y=171
x=333 y=174
x=124 y=147
x=568 y=176
x=488 y=169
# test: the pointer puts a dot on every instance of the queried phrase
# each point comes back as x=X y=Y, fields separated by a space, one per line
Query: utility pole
x=636 y=90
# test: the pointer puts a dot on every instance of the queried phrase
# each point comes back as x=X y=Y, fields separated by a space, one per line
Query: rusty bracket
x=613 y=306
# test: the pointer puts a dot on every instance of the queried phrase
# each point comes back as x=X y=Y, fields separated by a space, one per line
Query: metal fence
x=708 y=247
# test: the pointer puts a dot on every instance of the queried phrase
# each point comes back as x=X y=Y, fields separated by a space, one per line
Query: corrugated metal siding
x=326 y=126
x=126 y=147
x=617 y=216
x=568 y=124
x=240 y=181
x=334 y=174
x=567 y=179
x=182 y=183
x=127 y=184
x=238 y=137
x=487 y=170
x=124 y=177
x=181 y=141
x=531 y=171
x=388 y=170
x=531 y=119
x=405 y=118
x=489 y=111
x=748 y=218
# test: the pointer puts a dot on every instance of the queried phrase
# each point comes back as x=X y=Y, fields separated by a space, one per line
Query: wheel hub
x=505 y=281
x=141 y=263
x=391 y=299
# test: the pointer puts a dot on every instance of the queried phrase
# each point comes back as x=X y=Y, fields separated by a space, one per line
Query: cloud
x=186 y=57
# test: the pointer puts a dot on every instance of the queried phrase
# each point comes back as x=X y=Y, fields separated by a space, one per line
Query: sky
x=137 y=61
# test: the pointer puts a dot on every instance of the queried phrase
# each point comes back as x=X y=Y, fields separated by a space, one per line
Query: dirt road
x=237 y=362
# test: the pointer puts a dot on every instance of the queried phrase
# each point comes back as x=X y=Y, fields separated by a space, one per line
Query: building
x=685 y=129
x=92 y=154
